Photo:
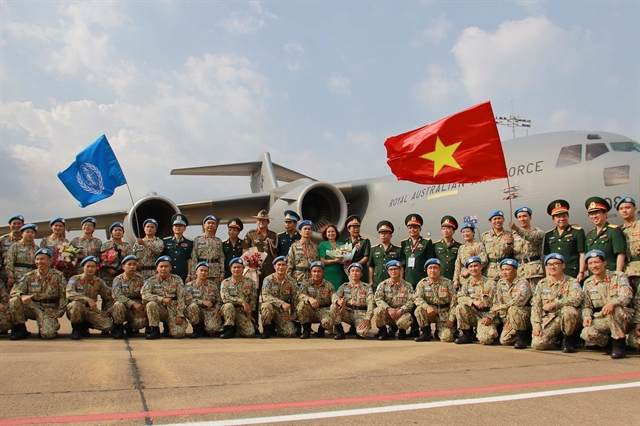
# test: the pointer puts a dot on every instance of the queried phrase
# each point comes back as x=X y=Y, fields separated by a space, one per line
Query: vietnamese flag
x=462 y=148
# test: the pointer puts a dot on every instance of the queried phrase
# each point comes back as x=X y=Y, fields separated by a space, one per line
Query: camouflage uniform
x=469 y=316
x=49 y=296
x=148 y=254
x=90 y=247
x=634 y=341
x=300 y=257
x=497 y=249
x=230 y=251
x=123 y=250
x=567 y=293
x=79 y=291
x=527 y=249
x=570 y=244
x=322 y=293
x=20 y=260
x=615 y=289
x=126 y=291
x=447 y=253
x=514 y=301
x=358 y=308
x=196 y=312
x=397 y=296
x=441 y=296
x=157 y=288
x=466 y=251
x=6 y=322
x=632 y=269
x=233 y=292
x=275 y=292
x=380 y=257
x=51 y=242
x=5 y=244
x=208 y=249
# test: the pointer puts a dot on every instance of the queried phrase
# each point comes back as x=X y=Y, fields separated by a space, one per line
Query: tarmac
x=102 y=381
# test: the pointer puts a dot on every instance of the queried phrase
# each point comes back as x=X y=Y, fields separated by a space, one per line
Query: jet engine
x=151 y=206
x=319 y=202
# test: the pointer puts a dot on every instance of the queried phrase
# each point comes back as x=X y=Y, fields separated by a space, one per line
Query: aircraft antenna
x=513 y=122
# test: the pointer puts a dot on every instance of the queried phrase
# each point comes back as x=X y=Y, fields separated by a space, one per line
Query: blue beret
x=355 y=265
x=468 y=225
x=128 y=258
x=163 y=259
x=393 y=263
x=43 y=251
x=116 y=225
x=155 y=222
x=92 y=259
x=594 y=253
x=16 y=217
x=29 y=226
x=554 y=256
x=471 y=260
x=291 y=215
x=316 y=263
x=201 y=264
x=625 y=200
x=279 y=258
x=523 y=209
x=210 y=217
x=496 y=213
x=510 y=262
x=57 y=219
x=89 y=220
x=432 y=261
x=304 y=223
x=236 y=260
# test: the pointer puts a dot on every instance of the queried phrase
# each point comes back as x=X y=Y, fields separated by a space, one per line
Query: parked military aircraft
x=572 y=165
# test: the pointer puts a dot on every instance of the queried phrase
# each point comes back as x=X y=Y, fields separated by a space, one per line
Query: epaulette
x=406 y=239
x=576 y=227
x=167 y=238
x=457 y=241
x=486 y=232
x=187 y=238
x=551 y=230
x=377 y=245
x=612 y=225
x=225 y=241
x=441 y=240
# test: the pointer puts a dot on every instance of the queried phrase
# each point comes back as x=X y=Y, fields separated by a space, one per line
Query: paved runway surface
x=101 y=381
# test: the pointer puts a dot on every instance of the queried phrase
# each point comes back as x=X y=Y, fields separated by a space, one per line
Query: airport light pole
x=514 y=122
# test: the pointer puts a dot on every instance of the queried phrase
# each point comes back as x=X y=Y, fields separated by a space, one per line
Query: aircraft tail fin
x=264 y=175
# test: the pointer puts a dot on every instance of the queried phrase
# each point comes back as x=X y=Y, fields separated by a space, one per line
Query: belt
x=595 y=310
x=484 y=310
x=493 y=260
x=148 y=268
x=634 y=258
x=358 y=308
x=301 y=269
x=323 y=306
x=201 y=259
x=442 y=305
x=46 y=301
x=529 y=259
x=25 y=265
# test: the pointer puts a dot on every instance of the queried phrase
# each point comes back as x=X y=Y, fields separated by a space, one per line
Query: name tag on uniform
x=312 y=289
x=347 y=291
x=470 y=291
x=546 y=291
x=298 y=248
x=387 y=290
x=125 y=285
x=80 y=288
x=196 y=292
x=505 y=289
x=34 y=284
x=412 y=262
x=593 y=290
x=157 y=286
x=427 y=289
x=232 y=287
x=202 y=242
x=274 y=287
x=22 y=250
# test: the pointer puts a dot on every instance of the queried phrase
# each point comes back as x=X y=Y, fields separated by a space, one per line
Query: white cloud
x=295 y=56
x=247 y=23
x=438 y=29
x=438 y=87
x=362 y=140
x=293 y=48
x=339 y=84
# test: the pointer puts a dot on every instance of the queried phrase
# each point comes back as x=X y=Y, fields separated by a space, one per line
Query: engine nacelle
x=151 y=206
x=319 y=202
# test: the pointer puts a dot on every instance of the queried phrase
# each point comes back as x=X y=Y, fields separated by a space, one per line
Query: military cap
x=468 y=225
x=432 y=261
x=95 y=260
x=43 y=251
x=553 y=256
x=201 y=264
x=210 y=217
x=290 y=215
x=179 y=219
x=234 y=222
x=89 y=219
x=16 y=217
x=317 y=263
x=262 y=214
x=510 y=262
x=304 y=223
x=523 y=209
x=385 y=225
x=597 y=203
x=413 y=219
x=354 y=220
x=128 y=258
x=391 y=263
x=495 y=213
x=116 y=225
x=472 y=259
x=449 y=221
x=57 y=219
x=163 y=259
x=236 y=260
x=621 y=201
x=29 y=226
x=280 y=258
x=356 y=265
x=557 y=207
x=594 y=253
x=150 y=220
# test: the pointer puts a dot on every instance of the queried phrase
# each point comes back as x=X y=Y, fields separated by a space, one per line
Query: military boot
x=392 y=331
x=266 y=331
x=425 y=336
x=415 y=329
x=306 y=330
x=383 y=333
x=521 y=341
x=351 y=331
x=227 y=332
x=617 y=352
x=340 y=335
x=118 y=331
x=154 y=333
x=402 y=334
x=197 y=330
x=19 y=332
x=129 y=331
x=466 y=338
x=567 y=345
x=76 y=331
x=84 y=329
x=320 y=332
x=298 y=328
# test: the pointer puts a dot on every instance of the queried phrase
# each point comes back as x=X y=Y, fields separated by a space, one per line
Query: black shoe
x=19 y=332
x=466 y=338
x=567 y=345
x=76 y=331
x=118 y=331
x=266 y=331
x=256 y=329
x=306 y=330
x=617 y=351
x=130 y=332
x=392 y=331
x=298 y=329
x=351 y=331
x=415 y=330
x=340 y=335
x=84 y=329
x=425 y=336
x=165 y=331
x=147 y=330
x=383 y=333
x=197 y=330
x=521 y=341
x=104 y=333
x=227 y=332
x=154 y=333
x=320 y=332
x=402 y=334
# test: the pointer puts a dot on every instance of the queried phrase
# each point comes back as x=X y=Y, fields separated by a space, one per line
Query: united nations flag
x=95 y=174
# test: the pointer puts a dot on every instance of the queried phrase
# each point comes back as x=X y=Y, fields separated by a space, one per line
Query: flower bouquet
x=111 y=258
x=345 y=251
x=253 y=260
x=65 y=257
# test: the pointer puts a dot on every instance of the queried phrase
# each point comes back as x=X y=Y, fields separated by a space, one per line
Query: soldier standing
x=238 y=296
x=82 y=294
x=498 y=244
x=447 y=248
x=353 y=303
x=634 y=333
x=383 y=253
x=40 y=296
x=90 y=245
x=554 y=308
x=417 y=250
x=6 y=323
x=232 y=246
x=361 y=245
x=149 y=249
x=128 y=305
x=179 y=248
x=527 y=246
x=394 y=300
x=302 y=254
x=606 y=314
x=435 y=300
x=15 y=223
x=565 y=239
x=208 y=248
x=278 y=301
x=605 y=237
x=314 y=302
x=112 y=253
x=57 y=234
x=631 y=229
x=21 y=254
x=290 y=234
x=470 y=248
x=203 y=303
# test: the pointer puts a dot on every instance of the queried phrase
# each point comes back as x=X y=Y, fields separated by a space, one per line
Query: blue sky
x=320 y=85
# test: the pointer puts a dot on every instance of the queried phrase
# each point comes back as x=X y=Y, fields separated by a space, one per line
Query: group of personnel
x=518 y=286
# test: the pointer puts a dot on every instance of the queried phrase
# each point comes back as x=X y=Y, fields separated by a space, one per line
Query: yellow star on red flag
x=442 y=156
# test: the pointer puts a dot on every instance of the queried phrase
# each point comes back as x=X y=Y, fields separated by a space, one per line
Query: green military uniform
x=379 y=258
x=362 y=248
x=610 y=240
x=416 y=254
x=569 y=243
x=447 y=254
x=230 y=249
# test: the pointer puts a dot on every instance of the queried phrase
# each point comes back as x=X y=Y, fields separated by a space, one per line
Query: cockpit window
x=595 y=150
x=625 y=146
x=616 y=175
x=569 y=155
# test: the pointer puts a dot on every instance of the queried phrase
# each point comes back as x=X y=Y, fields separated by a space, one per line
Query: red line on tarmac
x=301 y=404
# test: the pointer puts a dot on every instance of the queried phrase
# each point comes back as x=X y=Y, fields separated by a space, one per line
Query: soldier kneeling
x=128 y=306
x=203 y=303
x=394 y=300
x=238 y=295
x=278 y=298
x=6 y=323
x=353 y=304
x=435 y=301
x=314 y=302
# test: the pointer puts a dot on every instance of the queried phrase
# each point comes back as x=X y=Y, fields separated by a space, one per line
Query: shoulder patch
x=406 y=239
x=550 y=231
x=576 y=227
x=624 y=280
x=225 y=241
x=577 y=285
x=377 y=245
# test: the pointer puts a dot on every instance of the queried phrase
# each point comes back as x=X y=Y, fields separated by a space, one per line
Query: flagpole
x=135 y=213
x=509 y=197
